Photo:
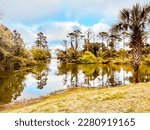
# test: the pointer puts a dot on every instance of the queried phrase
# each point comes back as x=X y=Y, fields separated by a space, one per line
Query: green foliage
x=11 y=84
x=73 y=54
x=40 y=72
x=146 y=49
x=40 y=50
x=61 y=55
x=103 y=54
x=92 y=47
x=122 y=53
x=40 y=54
x=69 y=55
x=146 y=59
x=19 y=46
x=14 y=55
x=88 y=57
x=41 y=42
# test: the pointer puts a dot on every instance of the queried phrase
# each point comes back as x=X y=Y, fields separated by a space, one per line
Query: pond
x=45 y=79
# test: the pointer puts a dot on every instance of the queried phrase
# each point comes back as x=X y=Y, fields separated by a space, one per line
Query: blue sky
x=58 y=17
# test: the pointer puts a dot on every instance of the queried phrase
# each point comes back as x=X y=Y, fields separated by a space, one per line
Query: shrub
x=88 y=57
x=40 y=54
x=146 y=59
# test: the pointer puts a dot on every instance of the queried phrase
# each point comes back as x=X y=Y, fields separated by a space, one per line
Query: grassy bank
x=131 y=98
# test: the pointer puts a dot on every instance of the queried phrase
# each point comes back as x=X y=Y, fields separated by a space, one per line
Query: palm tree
x=134 y=21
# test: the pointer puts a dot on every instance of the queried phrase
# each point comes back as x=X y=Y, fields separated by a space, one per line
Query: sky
x=55 y=18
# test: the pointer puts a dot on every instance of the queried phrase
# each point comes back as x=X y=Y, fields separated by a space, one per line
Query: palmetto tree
x=135 y=21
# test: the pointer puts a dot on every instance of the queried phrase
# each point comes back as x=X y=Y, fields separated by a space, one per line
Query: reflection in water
x=40 y=81
x=101 y=75
x=95 y=75
x=13 y=83
x=40 y=73
x=11 y=86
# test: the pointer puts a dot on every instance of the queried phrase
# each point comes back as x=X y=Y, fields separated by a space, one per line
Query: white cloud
x=28 y=33
x=32 y=10
x=24 y=10
x=100 y=27
x=56 y=32
x=102 y=8
x=20 y=12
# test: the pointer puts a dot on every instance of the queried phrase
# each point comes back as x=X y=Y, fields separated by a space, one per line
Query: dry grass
x=131 y=98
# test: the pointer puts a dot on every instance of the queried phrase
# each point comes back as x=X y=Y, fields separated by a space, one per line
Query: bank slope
x=131 y=98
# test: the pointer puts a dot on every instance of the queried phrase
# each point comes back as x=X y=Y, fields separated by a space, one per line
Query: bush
x=122 y=54
x=146 y=59
x=70 y=55
x=88 y=57
x=104 y=54
x=40 y=54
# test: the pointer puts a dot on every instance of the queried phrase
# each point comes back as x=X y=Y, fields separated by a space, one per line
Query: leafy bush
x=69 y=55
x=146 y=59
x=88 y=57
x=122 y=53
x=40 y=54
x=103 y=54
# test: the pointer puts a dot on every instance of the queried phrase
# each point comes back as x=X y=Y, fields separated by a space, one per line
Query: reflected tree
x=11 y=86
x=99 y=75
x=41 y=74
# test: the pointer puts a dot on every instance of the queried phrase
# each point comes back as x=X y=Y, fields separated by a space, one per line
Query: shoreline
x=116 y=99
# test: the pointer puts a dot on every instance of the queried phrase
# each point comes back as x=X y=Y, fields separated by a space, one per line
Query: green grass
x=131 y=98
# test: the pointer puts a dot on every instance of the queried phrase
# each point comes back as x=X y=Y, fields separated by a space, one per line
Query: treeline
x=133 y=25
x=14 y=54
x=91 y=52
x=103 y=51
x=130 y=32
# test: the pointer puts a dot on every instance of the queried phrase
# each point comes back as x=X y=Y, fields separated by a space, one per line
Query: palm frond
x=124 y=15
x=120 y=27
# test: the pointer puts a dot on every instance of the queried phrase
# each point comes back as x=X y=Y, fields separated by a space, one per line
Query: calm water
x=45 y=79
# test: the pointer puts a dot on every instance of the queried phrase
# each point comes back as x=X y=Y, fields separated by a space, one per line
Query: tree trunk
x=136 y=58
x=136 y=78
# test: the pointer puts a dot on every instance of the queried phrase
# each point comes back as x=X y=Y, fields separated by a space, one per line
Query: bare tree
x=65 y=44
x=88 y=37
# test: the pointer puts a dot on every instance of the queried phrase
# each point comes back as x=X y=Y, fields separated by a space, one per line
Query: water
x=45 y=79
